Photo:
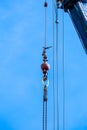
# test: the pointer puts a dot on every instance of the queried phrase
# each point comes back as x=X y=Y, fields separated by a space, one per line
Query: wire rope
x=45 y=23
x=63 y=57
x=46 y=116
x=44 y=100
x=57 y=69
x=43 y=113
x=53 y=66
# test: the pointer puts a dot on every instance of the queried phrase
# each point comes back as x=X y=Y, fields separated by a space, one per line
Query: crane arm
x=78 y=13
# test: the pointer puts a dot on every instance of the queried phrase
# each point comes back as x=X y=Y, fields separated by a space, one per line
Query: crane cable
x=57 y=86
x=63 y=57
x=45 y=22
x=46 y=116
x=57 y=99
x=43 y=115
x=53 y=66
x=45 y=67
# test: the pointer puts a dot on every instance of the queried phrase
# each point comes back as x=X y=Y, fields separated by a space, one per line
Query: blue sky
x=21 y=42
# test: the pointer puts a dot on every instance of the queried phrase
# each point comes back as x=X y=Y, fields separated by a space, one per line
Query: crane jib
x=77 y=10
x=66 y=4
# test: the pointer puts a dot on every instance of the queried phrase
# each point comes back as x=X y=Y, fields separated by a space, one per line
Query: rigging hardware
x=45 y=68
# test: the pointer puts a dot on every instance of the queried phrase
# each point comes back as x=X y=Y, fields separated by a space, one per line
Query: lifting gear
x=45 y=68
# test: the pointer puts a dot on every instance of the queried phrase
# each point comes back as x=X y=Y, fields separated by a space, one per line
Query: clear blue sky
x=21 y=41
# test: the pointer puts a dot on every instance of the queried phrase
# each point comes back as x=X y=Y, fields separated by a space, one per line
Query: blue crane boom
x=78 y=12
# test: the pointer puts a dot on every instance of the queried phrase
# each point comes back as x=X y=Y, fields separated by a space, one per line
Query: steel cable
x=53 y=67
x=63 y=57
x=57 y=100
x=43 y=114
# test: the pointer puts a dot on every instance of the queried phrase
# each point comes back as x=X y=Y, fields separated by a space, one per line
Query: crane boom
x=78 y=13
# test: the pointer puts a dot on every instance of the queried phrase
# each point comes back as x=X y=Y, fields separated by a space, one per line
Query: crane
x=77 y=9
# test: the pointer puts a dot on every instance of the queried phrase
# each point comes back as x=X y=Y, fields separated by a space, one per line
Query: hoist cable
x=45 y=23
x=45 y=67
x=54 y=5
x=53 y=67
x=57 y=69
x=43 y=114
x=46 y=116
x=63 y=55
